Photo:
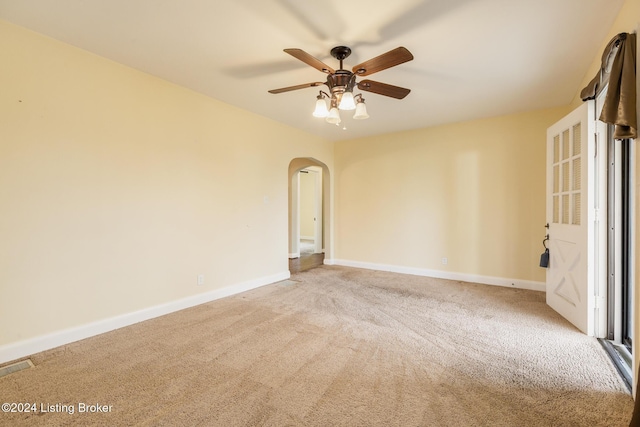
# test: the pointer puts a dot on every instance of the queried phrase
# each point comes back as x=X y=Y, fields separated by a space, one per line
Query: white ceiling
x=473 y=58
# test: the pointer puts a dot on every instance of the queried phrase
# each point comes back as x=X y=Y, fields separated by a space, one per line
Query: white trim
x=463 y=277
x=294 y=255
x=28 y=347
x=313 y=238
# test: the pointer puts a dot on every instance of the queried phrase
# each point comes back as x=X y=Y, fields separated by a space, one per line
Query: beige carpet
x=336 y=346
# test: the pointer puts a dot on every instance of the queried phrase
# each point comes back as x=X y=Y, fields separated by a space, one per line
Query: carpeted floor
x=335 y=346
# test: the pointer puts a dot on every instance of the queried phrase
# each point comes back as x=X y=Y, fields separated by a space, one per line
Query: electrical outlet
x=445 y=261
x=200 y=279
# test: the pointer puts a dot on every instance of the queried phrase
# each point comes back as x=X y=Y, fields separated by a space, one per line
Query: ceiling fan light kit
x=341 y=82
x=334 y=116
x=347 y=102
x=361 y=110
x=321 y=107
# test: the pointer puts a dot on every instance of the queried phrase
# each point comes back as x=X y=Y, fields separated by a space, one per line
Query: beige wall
x=471 y=192
x=117 y=189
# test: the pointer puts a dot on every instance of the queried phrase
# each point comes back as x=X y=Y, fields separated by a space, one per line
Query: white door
x=573 y=203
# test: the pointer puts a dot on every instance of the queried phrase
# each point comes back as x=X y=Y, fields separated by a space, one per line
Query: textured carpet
x=335 y=346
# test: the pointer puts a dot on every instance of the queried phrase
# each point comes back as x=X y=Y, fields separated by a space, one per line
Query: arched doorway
x=309 y=201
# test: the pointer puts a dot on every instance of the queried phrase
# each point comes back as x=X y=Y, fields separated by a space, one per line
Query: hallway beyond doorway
x=307 y=260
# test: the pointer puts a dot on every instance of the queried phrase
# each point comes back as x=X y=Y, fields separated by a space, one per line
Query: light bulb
x=334 y=116
x=321 y=108
x=347 y=102
x=361 y=111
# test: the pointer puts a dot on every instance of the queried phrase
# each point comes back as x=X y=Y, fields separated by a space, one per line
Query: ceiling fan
x=341 y=82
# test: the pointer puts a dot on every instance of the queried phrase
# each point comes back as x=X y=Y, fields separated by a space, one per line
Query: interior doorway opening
x=308 y=213
x=310 y=210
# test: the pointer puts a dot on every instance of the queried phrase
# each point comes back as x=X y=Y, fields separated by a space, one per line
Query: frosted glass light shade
x=361 y=112
x=321 y=108
x=347 y=102
x=334 y=116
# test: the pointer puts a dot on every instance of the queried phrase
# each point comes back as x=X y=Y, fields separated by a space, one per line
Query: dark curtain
x=618 y=69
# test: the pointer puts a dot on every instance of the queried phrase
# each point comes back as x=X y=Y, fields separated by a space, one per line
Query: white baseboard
x=294 y=255
x=31 y=346
x=439 y=274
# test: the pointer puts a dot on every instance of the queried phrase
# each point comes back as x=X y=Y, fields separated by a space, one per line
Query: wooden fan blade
x=310 y=60
x=383 y=89
x=290 y=88
x=390 y=59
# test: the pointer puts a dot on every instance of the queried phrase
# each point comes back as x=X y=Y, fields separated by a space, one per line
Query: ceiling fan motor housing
x=341 y=81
